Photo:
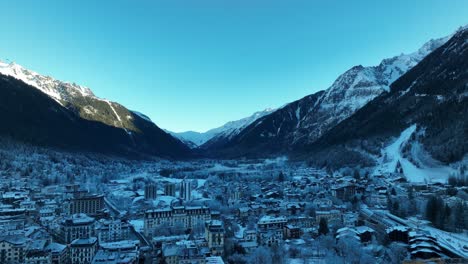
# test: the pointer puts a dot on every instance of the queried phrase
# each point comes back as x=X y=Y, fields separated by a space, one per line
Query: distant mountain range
x=224 y=132
x=347 y=124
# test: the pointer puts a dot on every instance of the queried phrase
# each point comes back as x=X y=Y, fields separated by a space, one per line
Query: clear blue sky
x=195 y=64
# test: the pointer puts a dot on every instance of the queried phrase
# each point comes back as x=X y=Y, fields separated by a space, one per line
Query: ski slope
x=392 y=154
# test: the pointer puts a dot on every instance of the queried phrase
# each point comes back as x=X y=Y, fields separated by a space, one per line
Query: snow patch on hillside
x=392 y=155
x=115 y=112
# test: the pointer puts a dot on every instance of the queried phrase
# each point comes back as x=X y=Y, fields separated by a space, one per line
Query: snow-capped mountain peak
x=227 y=130
x=359 y=85
x=58 y=90
x=304 y=121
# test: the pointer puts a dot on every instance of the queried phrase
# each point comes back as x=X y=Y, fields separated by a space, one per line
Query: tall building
x=90 y=204
x=185 y=190
x=169 y=189
x=214 y=235
x=151 y=191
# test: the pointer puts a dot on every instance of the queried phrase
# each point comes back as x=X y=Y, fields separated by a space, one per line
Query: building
x=270 y=230
x=171 y=253
x=183 y=216
x=214 y=235
x=91 y=204
x=332 y=216
x=186 y=190
x=82 y=250
x=37 y=252
x=184 y=253
x=170 y=189
x=12 y=249
x=110 y=257
x=9 y=223
x=214 y=260
x=77 y=226
x=59 y=253
x=268 y=222
x=74 y=190
x=344 y=191
x=235 y=195
x=292 y=232
x=38 y=257
x=113 y=230
x=151 y=191
x=191 y=253
x=362 y=234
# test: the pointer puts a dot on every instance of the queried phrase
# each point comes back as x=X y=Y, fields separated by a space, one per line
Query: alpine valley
x=373 y=169
x=347 y=124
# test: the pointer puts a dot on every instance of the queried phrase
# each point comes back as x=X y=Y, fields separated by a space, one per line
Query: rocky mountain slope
x=432 y=96
x=304 y=121
x=39 y=109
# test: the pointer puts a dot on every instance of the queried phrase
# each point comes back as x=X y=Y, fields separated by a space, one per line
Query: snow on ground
x=393 y=153
x=453 y=241
x=123 y=194
x=113 y=110
x=138 y=224
x=306 y=261
x=456 y=242
x=165 y=199
x=240 y=234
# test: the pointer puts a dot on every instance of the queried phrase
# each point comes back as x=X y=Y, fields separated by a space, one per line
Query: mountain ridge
x=433 y=95
x=131 y=133
x=228 y=130
x=305 y=120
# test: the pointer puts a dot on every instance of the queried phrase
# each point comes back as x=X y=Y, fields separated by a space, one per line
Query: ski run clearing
x=392 y=154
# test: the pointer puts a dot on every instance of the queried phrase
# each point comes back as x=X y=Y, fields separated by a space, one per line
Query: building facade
x=77 y=226
x=184 y=216
x=90 y=204
x=82 y=250
x=186 y=190
x=151 y=191
x=170 y=189
x=214 y=235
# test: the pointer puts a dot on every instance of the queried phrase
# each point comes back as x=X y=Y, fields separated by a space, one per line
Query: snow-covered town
x=234 y=132
x=249 y=211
